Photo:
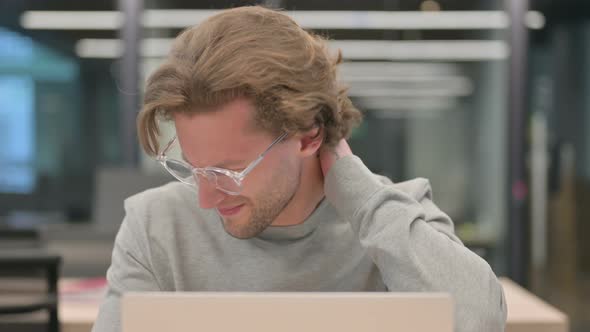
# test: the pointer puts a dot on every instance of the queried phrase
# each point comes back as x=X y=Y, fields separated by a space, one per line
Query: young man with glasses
x=270 y=196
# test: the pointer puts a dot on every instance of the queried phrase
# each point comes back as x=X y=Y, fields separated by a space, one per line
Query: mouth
x=226 y=212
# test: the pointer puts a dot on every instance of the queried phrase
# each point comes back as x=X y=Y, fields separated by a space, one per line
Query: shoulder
x=160 y=198
x=163 y=209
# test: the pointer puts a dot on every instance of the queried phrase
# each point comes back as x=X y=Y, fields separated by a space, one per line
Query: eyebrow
x=224 y=164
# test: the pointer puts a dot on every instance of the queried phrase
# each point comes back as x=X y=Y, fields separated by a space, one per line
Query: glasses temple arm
x=280 y=138
x=167 y=147
x=259 y=159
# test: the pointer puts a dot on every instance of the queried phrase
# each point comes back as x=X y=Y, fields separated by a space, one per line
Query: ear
x=311 y=141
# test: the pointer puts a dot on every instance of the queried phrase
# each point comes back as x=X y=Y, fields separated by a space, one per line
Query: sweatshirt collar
x=295 y=232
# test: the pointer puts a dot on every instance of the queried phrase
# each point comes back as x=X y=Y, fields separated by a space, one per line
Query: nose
x=209 y=195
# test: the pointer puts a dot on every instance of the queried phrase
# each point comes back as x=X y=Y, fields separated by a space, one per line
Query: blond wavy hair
x=257 y=53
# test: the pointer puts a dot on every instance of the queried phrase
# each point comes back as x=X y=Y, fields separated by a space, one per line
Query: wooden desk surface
x=526 y=312
x=78 y=308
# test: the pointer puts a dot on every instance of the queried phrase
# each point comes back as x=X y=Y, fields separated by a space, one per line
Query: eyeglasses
x=225 y=180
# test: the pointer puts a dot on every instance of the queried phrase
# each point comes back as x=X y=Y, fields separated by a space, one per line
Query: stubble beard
x=267 y=207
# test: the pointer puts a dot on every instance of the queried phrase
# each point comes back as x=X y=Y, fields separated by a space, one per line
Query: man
x=270 y=196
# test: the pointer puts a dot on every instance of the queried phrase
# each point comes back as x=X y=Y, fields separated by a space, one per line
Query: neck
x=307 y=197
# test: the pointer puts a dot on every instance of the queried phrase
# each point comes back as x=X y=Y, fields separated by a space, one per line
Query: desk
x=79 y=303
x=526 y=312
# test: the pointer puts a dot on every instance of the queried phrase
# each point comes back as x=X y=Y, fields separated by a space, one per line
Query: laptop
x=286 y=312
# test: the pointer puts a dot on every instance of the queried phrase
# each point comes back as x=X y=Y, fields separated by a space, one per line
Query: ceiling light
x=534 y=20
x=451 y=50
x=182 y=18
x=72 y=20
x=448 y=50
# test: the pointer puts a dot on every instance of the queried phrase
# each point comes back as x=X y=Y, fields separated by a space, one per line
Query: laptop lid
x=287 y=312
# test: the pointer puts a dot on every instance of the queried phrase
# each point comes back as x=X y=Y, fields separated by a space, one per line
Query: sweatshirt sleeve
x=413 y=244
x=130 y=270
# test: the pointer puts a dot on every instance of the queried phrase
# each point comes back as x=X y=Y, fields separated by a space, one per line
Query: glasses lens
x=180 y=170
x=183 y=173
x=227 y=184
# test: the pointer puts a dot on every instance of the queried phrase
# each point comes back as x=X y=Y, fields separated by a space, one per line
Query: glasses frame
x=237 y=177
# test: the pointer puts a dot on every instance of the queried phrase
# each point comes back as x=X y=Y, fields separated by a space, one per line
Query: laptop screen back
x=286 y=312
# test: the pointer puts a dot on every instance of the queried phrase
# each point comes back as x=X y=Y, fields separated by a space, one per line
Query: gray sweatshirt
x=368 y=234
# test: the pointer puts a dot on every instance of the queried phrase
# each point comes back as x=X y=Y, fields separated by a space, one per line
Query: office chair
x=21 y=264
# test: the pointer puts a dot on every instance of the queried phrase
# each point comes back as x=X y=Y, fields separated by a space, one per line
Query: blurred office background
x=488 y=99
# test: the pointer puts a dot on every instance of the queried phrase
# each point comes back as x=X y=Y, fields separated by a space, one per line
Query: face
x=226 y=138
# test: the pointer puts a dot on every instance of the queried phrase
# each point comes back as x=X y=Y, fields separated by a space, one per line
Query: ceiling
x=64 y=40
